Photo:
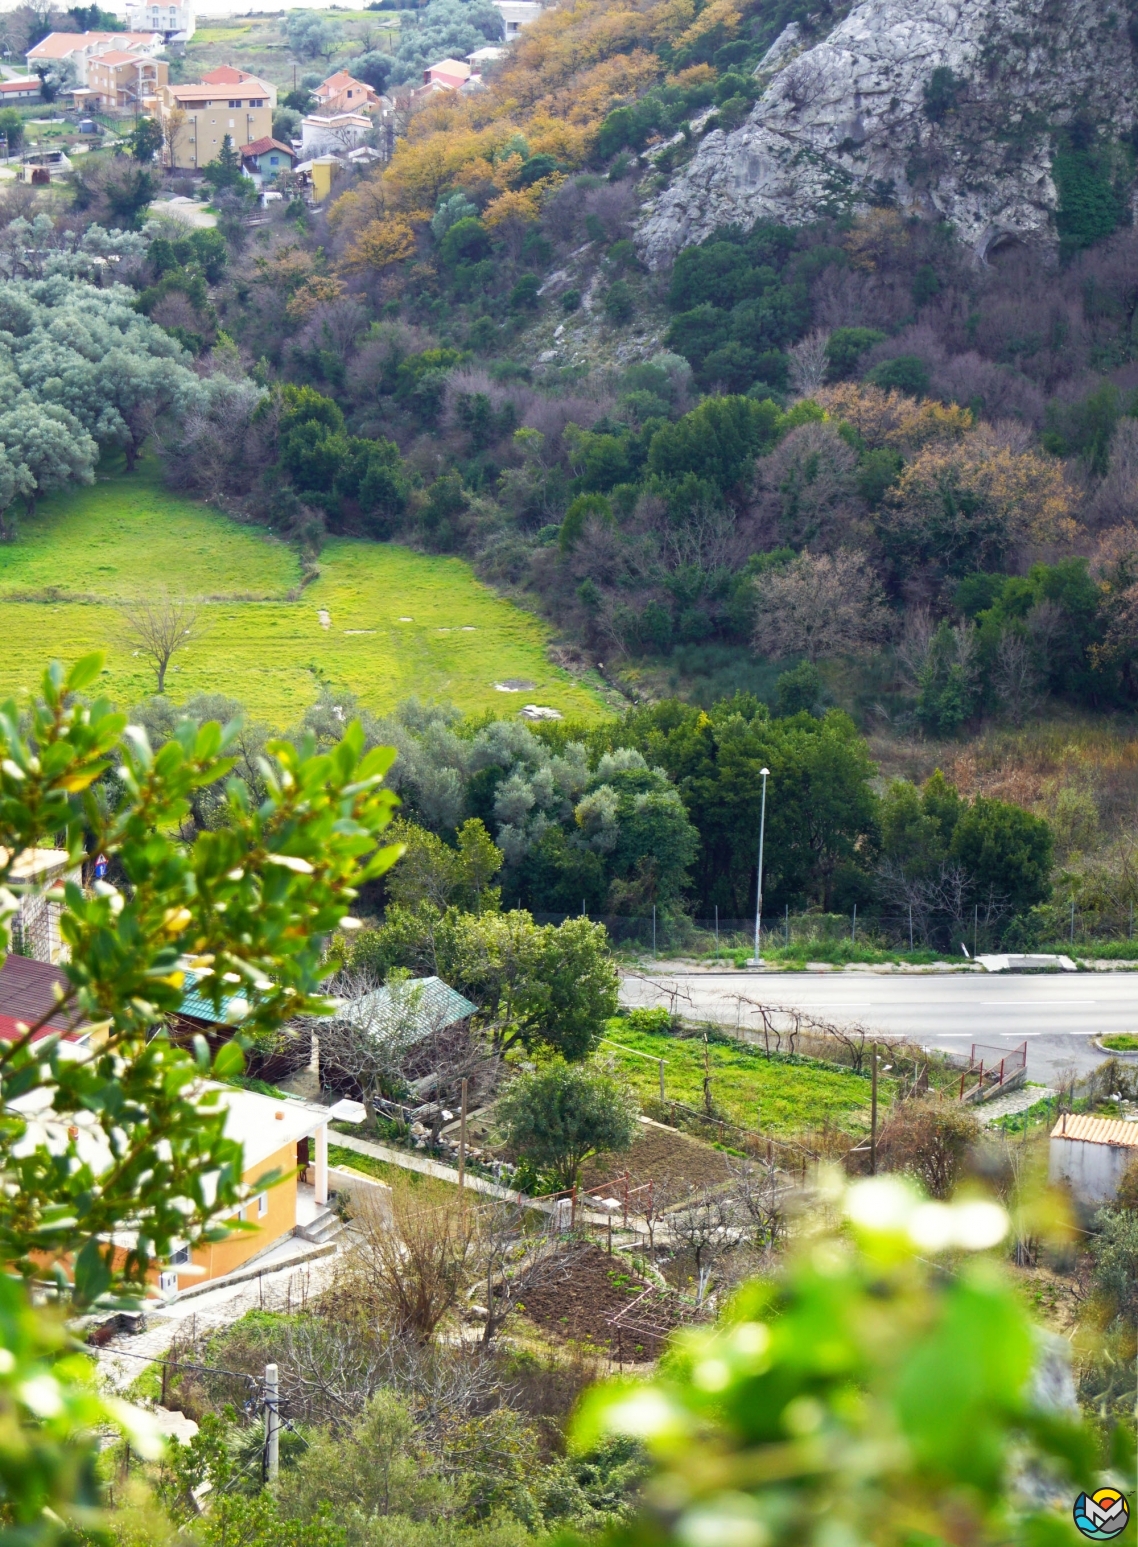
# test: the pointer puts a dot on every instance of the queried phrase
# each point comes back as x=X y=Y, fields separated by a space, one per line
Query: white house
x=1090 y=1154
x=517 y=14
x=332 y=134
x=79 y=48
x=176 y=22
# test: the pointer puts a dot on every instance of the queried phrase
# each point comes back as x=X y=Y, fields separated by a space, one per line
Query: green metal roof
x=201 y=1006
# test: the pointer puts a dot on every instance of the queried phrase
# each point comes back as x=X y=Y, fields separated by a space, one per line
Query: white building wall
x=1091 y=1171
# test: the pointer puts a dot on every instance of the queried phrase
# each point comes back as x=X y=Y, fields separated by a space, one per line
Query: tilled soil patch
x=676 y=1163
x=577 y=1292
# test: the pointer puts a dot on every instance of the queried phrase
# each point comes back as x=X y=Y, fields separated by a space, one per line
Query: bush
x=930 y=1139
x=556 y=1117
x=524 y=296
x=619 y=304
x=571 y=301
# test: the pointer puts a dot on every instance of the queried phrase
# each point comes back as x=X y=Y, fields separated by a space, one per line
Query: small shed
x=412 y=1010
x=1090 y=1154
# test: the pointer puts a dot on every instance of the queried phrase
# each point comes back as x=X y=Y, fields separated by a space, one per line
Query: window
x=232 y=121
x=234 y=102
x=257 y=102
x=262 y=1204
x=179 y=1258
x=273 y=160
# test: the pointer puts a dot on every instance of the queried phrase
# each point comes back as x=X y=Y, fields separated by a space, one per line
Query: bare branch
x=159 y=626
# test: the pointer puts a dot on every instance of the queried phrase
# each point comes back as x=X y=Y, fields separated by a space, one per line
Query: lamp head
x=764 y=772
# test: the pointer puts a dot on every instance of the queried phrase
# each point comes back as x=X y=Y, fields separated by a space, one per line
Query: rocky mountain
x=956 y=108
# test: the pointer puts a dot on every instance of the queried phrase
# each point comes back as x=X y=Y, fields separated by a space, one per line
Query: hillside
x=951 y=111
x=380 y=621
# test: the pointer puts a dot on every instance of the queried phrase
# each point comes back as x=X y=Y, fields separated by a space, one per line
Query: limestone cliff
x=946 y=106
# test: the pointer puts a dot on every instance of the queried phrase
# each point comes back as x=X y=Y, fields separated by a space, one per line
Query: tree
x=160 y=626
x=127 y=1156
x=128 y=194
x=12 y=128
x=173 y=122
x=558 y=1116
x=146 y=139
x=226 y=171
x=963 y=508
x=412 y=1265
x=818 y=606
x=537 y=985
x=873 y=1314
x=822 y=811
x=311 y=36
x=42 y=447
x=1006 y=853
x=718 y=441
x=809 y=359
x=432 y=871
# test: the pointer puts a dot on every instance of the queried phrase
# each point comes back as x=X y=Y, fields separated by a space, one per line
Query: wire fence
x=971 y=932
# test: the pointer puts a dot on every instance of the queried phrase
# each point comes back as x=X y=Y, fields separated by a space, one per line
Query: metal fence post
x=910 y=926
x=853 y=931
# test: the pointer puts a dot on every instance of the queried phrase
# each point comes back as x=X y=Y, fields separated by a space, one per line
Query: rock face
x=858 y=118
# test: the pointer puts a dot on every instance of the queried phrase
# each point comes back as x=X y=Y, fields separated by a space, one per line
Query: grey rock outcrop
x=845 y=123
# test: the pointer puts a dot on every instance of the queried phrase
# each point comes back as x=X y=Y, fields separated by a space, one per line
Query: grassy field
x=381 y=621
x=776 y=1096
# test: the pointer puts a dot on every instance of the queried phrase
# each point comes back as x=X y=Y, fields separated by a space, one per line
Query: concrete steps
x=326 y=1226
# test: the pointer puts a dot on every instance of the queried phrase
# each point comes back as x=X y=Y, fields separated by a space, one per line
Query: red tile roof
x=265 y=143
x=1097 y=1130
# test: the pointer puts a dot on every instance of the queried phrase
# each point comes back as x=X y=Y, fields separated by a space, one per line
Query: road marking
x=1037 y=1003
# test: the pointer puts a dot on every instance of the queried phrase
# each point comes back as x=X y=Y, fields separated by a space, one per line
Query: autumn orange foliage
x=573 y=66
x=904 y=424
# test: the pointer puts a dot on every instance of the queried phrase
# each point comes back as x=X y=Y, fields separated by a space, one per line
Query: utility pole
x=873 y=1113
x=765 y=774
x=272 y=1424
x=462 y=1145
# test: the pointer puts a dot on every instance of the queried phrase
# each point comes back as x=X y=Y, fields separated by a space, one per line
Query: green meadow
x=379 y=620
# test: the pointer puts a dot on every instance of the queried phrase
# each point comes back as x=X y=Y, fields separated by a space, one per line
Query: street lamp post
x=765 y=772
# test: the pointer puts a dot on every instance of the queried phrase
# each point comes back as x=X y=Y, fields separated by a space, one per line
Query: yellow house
x=200 y=116
x=288 y=1137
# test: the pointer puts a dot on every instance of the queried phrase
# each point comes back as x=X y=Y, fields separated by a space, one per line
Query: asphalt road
x=1056 y=1015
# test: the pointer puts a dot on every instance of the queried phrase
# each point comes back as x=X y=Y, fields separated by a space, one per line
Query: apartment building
x=123 y=82
x=206 y=112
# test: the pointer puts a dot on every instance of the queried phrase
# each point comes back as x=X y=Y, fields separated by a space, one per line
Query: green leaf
x=84 y=672
x=229 y=1061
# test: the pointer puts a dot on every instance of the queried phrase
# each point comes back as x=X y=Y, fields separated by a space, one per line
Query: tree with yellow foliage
x=957 y=509
x=381 y=244
x=893 y=419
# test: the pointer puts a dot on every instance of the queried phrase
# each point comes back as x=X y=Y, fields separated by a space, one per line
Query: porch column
x=322 y=1164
